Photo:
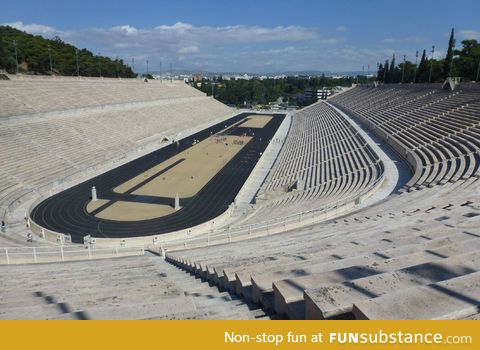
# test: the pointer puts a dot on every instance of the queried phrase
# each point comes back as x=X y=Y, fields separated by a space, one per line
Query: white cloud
x=409 y=39
x=469 y=34
x=330 y=41
x=226 y=48
x=176 y=41
x=36 y=29
x=125 y=29
x=188 y=49
x=341 y=29
x=179 y=26
x=438 y=54
x=181 y=30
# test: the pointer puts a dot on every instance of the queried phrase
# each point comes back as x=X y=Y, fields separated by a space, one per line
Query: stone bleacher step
x=92 y=268
x=85 y=282
x=140 y=309
x=78 y=267
x=134 y=288
x=217 y=257
x=208 y=306
x=96 y=295
x=262 y=283
x=220 y=304
x=243 y=278
x=208 y=314
x=452 y=299
x=292 y=290
x=31 y=312
x=148 y=289
x=338 y=299
x=471 y=317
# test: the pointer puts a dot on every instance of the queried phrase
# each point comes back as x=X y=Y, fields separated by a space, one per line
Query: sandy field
x=185 y=173
x=131 y=211
x=258 y=121
x=201 y=162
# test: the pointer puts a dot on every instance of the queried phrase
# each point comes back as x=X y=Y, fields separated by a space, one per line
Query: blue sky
x=255 y=36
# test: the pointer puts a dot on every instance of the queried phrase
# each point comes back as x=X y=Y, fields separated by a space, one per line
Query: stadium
x=148 y=199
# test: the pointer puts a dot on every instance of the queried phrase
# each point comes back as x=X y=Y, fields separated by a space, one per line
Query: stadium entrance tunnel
x=205 y=171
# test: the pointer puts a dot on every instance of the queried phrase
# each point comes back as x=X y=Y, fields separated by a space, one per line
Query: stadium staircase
x=143 y=287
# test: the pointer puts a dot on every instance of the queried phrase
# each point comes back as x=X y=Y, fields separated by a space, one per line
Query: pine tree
x=422 y=67
x=449 y=57
x=380 y=72
x=385 y=72
x=391 y=73
x=4 y=54
x=423 y=59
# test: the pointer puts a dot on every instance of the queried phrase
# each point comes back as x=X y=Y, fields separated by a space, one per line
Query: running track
x=66 y=211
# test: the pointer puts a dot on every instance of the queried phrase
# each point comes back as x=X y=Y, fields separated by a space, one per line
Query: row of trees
x=262 y=92
x=463 y=63
x=34 y=55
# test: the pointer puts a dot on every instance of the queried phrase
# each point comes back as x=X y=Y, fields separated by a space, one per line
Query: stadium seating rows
x=418 y=249
x=143 y=287
x=324 y=158
x=413 y=256
x=30 y=96
x=354 y=266
x=438 y=131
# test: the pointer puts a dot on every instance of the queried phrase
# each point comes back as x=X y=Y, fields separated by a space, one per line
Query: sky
x=261 y=36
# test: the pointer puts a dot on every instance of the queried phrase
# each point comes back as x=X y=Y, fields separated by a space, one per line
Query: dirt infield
x=257 y=121
x=198 y=164
x=184 y=174
x=91 y=206
x=131 y=211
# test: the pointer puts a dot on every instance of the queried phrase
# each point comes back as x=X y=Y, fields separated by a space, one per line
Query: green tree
x=6 y=58
x=33 y=56
x=447 y=66
x=258 y=92
x=391 y=72
x=386 y=71
x=422 y=68
x=380 y=72
x=468 y=61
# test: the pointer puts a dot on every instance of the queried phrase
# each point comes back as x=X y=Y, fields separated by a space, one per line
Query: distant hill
x=33 y=57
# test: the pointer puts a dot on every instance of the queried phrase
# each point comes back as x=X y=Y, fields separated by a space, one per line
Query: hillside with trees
x=34 y=54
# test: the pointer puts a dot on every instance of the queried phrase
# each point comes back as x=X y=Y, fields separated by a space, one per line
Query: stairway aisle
x=210 y=303
x=141 y=287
